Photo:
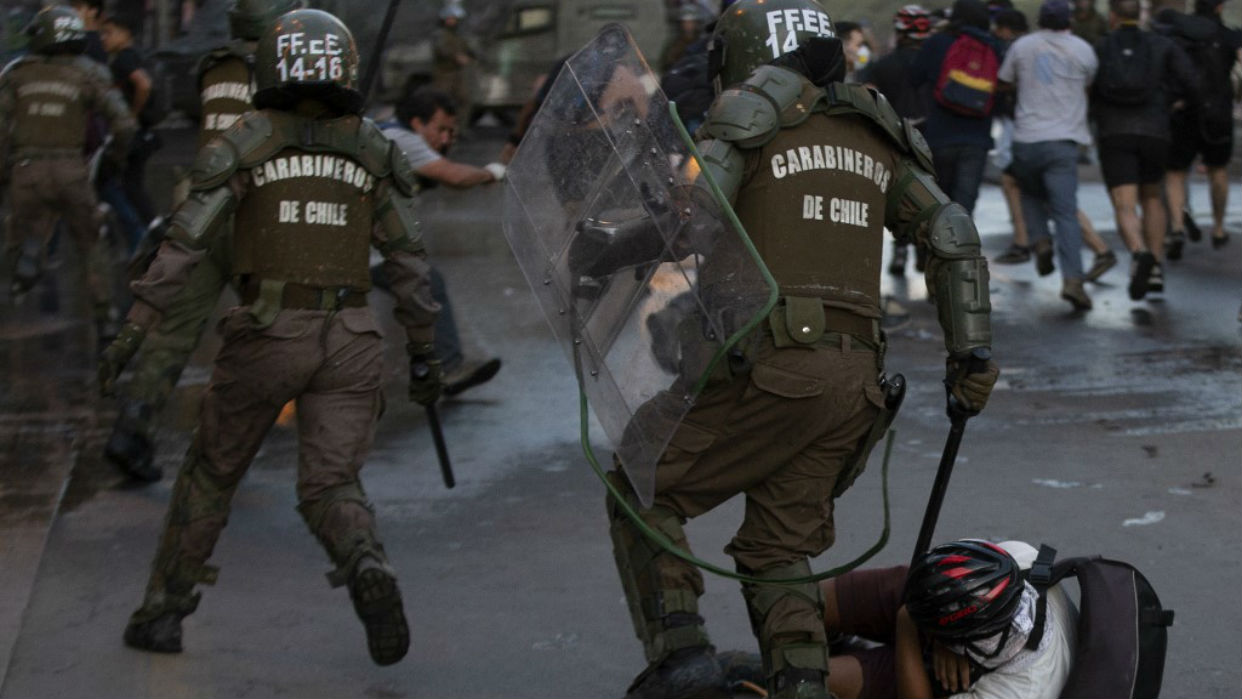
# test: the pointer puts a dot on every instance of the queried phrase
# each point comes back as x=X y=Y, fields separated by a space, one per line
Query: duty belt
x=300 y=296
x=843 y=321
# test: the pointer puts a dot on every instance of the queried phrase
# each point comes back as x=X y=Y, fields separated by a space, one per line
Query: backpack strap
x=1042 y=577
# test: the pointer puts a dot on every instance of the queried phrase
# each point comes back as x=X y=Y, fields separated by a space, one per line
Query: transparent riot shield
x=647 y=287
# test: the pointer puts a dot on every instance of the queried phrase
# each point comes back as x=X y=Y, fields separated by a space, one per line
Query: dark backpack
x=967 y=82
x=1203 y=41
x=1122 y=629
x=1127 y=74
x=1216 y=108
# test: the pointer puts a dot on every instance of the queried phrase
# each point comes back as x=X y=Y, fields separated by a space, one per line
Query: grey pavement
x=1117 y=432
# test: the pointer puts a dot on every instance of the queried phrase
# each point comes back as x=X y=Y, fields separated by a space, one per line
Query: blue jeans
x=1047 y=174
x=447 y=343
x=959 y=172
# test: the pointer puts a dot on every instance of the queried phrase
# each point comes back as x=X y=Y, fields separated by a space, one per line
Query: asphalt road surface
x=1118 y=432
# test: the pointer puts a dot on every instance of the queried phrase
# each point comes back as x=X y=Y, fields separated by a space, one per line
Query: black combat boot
x=129 y=446
x=159 y=635
x=377 y=600
x=157 y=628
x=687 y=673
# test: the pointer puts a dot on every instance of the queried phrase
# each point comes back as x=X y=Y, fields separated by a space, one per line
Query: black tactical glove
x=425 y=375
x=970 y=380
x=116 y=355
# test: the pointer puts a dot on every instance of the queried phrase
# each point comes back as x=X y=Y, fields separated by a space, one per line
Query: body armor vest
x=306 y=218
x=814 y=207
x=51 y=109
x=226 y=88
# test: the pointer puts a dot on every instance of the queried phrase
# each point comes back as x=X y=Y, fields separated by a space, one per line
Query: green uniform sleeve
x=397 y=236
x=957 y=272
x=215 y=189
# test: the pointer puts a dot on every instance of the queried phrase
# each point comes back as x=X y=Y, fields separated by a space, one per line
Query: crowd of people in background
x=1144 y=97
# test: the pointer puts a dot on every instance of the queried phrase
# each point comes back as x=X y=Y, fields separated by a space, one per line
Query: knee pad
x=661 y=590
x=788 y=620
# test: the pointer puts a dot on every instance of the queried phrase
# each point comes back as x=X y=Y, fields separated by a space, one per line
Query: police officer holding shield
x=310 y=186
x=816 y=170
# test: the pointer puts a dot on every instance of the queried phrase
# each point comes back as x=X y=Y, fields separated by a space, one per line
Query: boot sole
x=378 y=603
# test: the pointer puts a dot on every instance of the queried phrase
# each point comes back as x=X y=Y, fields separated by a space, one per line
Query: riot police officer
x=225 y=78
x=45 y=100
x=310 y=186
x=816 y=170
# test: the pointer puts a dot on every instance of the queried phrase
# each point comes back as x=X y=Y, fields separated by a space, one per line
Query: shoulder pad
x=743 y=115
x=257 y=136
x=93 y=68
x=794 y=95
x=8 y=68
x=215 y=164
x=858 y=99
x=374 y=150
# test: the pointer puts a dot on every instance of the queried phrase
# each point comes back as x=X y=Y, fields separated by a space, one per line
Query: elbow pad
x=957 y=276
x=197 y=218
x=398 y=218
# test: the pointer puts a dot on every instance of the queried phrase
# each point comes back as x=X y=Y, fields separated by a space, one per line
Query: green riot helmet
x=307 y=54
x=751 y=33
x=248 y=18
x=57 y=29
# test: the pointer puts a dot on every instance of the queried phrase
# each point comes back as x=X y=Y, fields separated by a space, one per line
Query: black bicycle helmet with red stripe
x=963 y=591
x=912 y=21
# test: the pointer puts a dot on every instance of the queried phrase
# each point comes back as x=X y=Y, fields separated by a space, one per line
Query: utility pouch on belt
x=797 y=321
x=894 y=392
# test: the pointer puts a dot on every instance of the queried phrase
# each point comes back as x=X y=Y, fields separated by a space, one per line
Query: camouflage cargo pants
x=44 y=190
x=331 y=365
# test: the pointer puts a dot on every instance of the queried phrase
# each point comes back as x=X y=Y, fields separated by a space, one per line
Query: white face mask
x=996 y=650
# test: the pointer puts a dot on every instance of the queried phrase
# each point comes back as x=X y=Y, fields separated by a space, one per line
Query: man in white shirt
x=425 y=128
x=1051 y=69
x=968 y=588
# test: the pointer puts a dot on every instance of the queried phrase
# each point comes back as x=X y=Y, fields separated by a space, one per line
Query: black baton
x=368 y=78
x=958 y=416
x=947 y=459
x=437 y=435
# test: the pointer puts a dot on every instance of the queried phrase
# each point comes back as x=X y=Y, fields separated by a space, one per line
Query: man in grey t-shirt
x=1051 y=70
x=425 y=128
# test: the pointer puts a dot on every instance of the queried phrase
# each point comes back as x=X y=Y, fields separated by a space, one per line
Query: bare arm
x=912 y=679
x=454 y=174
